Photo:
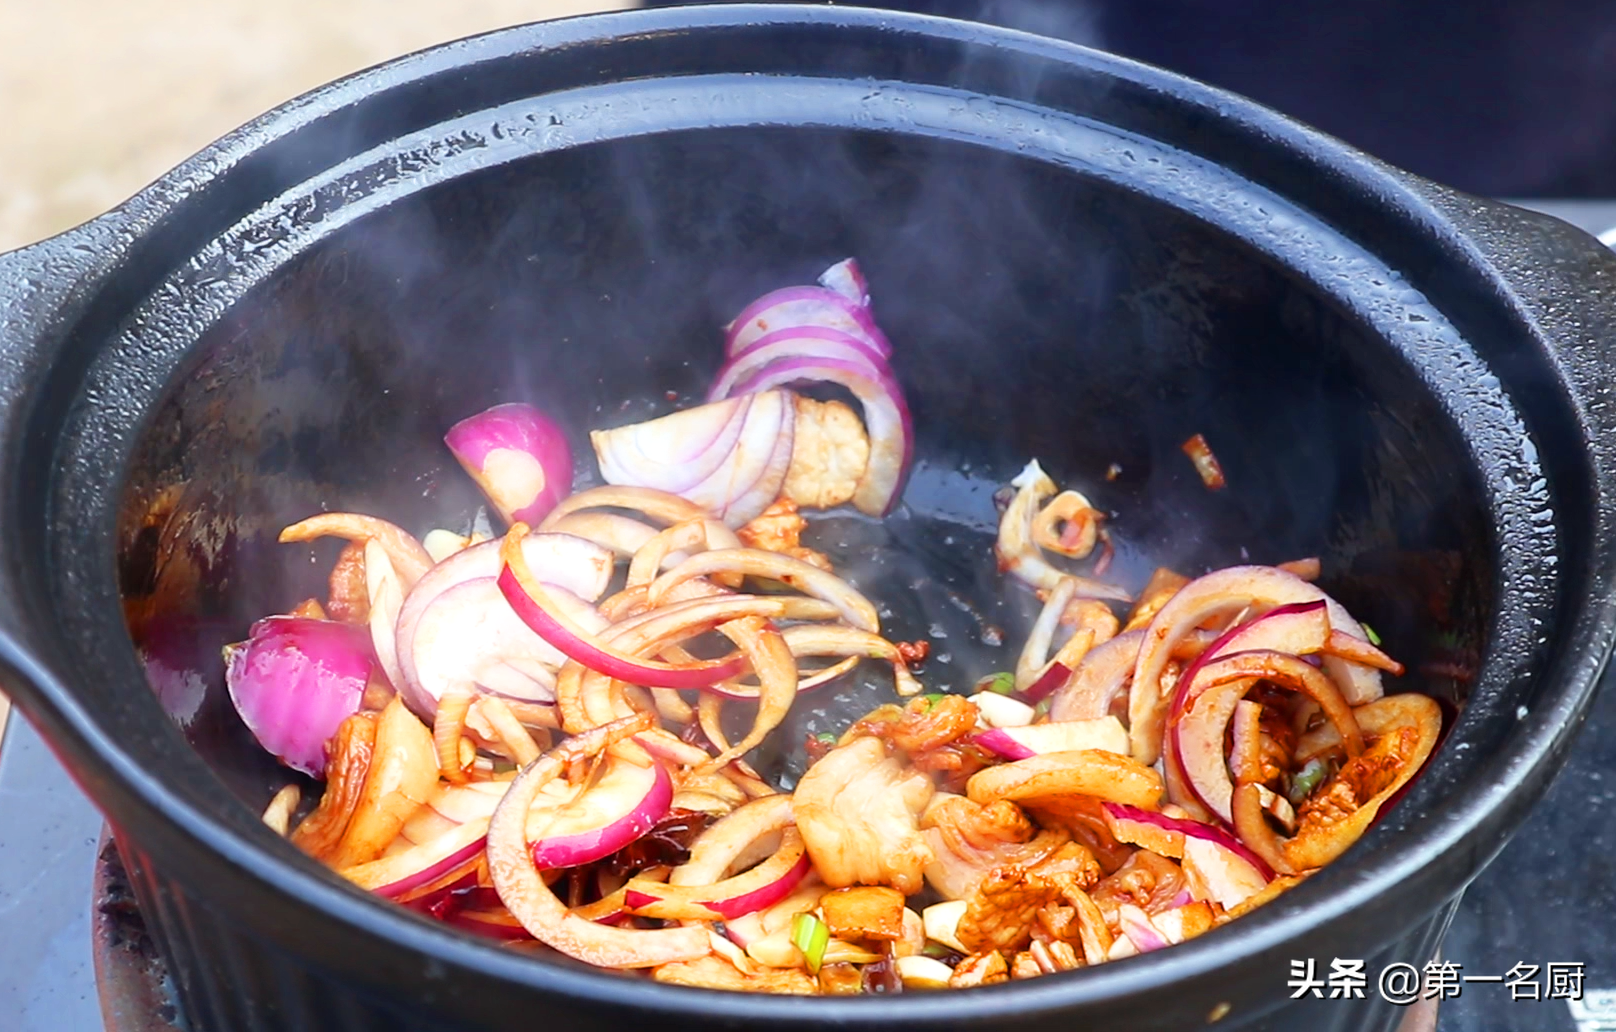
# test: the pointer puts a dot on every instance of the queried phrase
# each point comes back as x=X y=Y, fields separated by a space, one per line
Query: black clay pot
x=1078 y=258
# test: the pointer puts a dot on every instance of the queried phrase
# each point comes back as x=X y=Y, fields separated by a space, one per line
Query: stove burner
x=135 y=990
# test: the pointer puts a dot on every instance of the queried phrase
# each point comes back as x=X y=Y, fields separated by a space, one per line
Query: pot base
x=137 y=995
x=130 y=978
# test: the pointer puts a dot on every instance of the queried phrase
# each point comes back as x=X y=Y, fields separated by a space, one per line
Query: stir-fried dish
x=524 y=735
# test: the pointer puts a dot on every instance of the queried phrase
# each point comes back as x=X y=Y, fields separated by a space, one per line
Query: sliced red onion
x=794 y=342
x=1098 y=680
x=748 y=834
x=294 y=680
x=495 y=924
x=533 y=603
x=1227 y=874
x=749 y=928
x=451 y=806
x=1135 y=924
x=738 y=491
x=625 y=803
x=762 y=886
x=1016 y=547
x=582 y=569
x=1120 y=816
x=1299 y=629
x=841 y=302
x=886 y=418
x=789 y=570
x=419 y=865
x=410 y=559
x=1156 y=832
x=729 y=457
x=530 y=901
x=518 y=456
x=623 y=535
x=672 y=453
x=1047 y=683
x=1018 y=743
x=454 y=805
x=386 y=597
x=847 y=279
x=1031 y=664
x=1002 y=745
x=765 y=896
x=1228 y=591
x=470 y=635
x=1245 y=741
x=1198 y=729
x=666 y=746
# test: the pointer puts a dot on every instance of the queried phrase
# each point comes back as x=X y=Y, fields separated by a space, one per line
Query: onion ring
x=621 y=534
x=1253 y=829
x=794 y=573
x=1018 y=553
x=516 y=738
x=409 y=558
x=698 y=535
x=530 y=901
x=1198 y=727
x=727 y=841
x=1226 y=591
x=1033 y=660
x=776 y=669
x=1098 y=680
x=1082 y=525
x=448 y=727
x=533 y=604
x=762 y=886
x=662 y=507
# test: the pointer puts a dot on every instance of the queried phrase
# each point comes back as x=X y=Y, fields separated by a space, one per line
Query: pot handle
x=1563 y=280
x=44 y=290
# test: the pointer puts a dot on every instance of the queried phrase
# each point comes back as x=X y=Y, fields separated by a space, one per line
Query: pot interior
x=1034 y=311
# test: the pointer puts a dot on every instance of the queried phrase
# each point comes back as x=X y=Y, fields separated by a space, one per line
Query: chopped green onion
x=1001 y=683
x=1369 y=632
x=933 y=698
x=1307 y=779
x=827 y=737
x=810 y=935
x=1042 y=709
x=937 y=951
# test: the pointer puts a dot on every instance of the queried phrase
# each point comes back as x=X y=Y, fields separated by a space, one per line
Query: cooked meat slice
x=1004 y=909
x=857 y=810
x=1148 y=881
x=980 y=969
x=1092 y=615
x=348 y=600
x=864 y=912
x=1072 y=861
x=1024 y=965
x=779 y=529
x=348 y=756
x=967 y=841
x=828 y=455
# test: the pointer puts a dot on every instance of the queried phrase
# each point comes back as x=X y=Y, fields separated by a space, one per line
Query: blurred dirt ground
x=98 y=98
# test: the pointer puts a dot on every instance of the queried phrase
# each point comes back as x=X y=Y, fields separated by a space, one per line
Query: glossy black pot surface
x=1079 y=259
